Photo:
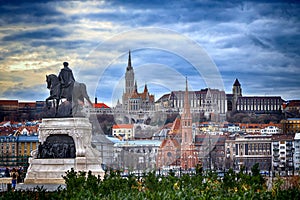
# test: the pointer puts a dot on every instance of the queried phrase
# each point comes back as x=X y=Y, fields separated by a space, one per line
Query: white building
x=251 y=149
x=282 y=153
x=139 y=155
x=124 y=131
x=270 y=130
x=296 y=153
x=233 y=128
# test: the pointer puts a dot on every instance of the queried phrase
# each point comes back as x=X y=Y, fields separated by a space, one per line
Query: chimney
x=95 y=100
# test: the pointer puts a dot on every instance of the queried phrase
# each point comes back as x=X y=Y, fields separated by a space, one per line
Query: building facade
x=136 y=155
x=291 y=126
x=13 y=110
x=251 y=149
x=282 y=151
x=168 y=153
x=211 y=151
x=259 y=104
x=123 y=131
x=252 y=104
x=211 y=103
x=296 y=154
x=15 y=150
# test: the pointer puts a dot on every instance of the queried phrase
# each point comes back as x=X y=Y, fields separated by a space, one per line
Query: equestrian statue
x=64 y=87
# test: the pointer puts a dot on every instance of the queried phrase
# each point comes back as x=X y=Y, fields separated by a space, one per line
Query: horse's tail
x=84 y=92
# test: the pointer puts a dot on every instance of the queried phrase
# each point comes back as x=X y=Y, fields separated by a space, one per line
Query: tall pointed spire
x=186 y=84
x=129 y=67
x=236 y=82
x=187 y=149
x=145 y=88
x=135 y=87
x=186 y=108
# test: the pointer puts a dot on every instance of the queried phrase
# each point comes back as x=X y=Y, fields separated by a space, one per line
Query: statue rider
x=67 y=80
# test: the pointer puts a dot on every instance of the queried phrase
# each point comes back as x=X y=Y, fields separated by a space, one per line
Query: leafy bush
x=82 y=185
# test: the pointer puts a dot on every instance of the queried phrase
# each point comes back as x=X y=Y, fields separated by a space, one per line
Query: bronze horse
x=78 y=92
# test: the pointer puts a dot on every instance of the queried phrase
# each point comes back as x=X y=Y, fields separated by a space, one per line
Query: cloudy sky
x=209 y=42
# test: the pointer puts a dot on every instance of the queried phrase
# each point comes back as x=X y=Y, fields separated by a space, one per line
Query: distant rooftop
x=140 y=143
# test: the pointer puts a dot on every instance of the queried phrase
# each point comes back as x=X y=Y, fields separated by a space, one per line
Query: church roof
x=175 y=127
x=129 y=67
x=175 y=143
x=236 y=83
x=143 y=96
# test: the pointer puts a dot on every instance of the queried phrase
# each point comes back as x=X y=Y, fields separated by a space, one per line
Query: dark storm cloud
x=30 y=12
x=44 y=33
x=74 y=44
x=36 y=92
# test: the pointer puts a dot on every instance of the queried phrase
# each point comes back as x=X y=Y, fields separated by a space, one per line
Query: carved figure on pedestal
x=57 y=146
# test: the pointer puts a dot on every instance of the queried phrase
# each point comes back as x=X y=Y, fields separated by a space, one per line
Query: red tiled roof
x=100 y=105
x=9 y=102
x=174 y=142
x=24 y=104
x=282 y=137
x=116 y=126
x=175 y=127
x=293 y=103
x=241 y=125
x=143 y=96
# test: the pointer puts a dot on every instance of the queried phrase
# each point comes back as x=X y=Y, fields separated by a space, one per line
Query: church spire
x=135 y=87
x=145 y=88
x=129 y=67
x=186 y=108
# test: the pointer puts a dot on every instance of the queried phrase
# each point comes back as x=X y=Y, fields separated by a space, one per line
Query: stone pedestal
x=51 y=170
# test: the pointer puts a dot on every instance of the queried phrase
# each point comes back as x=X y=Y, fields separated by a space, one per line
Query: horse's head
x=50 y=79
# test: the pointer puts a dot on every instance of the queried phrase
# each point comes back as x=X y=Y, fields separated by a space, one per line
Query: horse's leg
x=47 y=102
x=56 y=106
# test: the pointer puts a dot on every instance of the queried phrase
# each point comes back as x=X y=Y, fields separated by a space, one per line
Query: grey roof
x=31 y=138
x=139 y=143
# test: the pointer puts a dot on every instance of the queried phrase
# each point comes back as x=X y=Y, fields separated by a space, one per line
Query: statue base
x=52 y=170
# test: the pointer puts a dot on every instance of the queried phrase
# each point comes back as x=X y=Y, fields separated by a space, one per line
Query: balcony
x=275 y=149
x=289 y=155
x=290 y=164
x=276 y=155
x=289 y=148
x=276 y=144
x=289 y=144
x=276 y=160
